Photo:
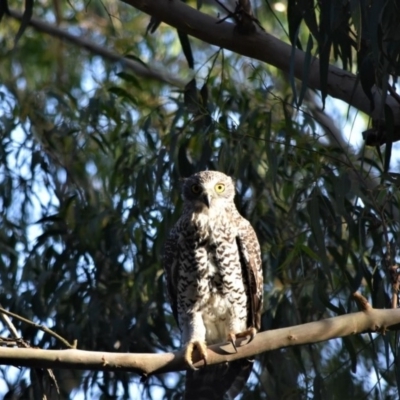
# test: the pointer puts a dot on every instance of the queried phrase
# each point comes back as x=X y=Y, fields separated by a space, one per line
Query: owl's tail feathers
x=217 y=382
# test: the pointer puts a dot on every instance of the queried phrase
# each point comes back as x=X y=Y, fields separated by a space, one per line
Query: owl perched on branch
x=214 y=278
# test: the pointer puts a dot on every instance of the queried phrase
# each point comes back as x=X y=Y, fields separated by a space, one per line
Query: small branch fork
x=362 y=302
x=16 y=340
x=243 y=16
x=4 y=316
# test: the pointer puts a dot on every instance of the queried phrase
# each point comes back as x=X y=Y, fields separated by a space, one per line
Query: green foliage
x=91 y=158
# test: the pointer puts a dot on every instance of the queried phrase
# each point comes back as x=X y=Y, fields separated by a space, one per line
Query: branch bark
x=145 y=364
x=264 y=47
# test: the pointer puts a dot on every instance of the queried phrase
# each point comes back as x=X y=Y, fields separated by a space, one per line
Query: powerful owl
x=214 y=278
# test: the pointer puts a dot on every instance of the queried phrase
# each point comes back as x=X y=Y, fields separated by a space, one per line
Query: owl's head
x=209 y=189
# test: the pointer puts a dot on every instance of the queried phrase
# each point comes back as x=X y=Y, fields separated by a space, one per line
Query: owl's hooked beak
x=207 y=199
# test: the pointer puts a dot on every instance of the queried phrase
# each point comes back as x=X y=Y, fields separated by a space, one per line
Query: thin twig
x=362 y=302
x=9 y=325
x=11 y=342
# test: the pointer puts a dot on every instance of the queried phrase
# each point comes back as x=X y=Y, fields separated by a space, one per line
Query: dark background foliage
x=91 y=157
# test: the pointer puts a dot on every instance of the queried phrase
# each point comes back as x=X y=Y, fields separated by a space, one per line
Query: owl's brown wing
x=250 y=255
x=170 y=264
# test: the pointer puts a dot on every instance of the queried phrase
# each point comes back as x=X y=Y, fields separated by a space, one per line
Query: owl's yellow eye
x=196 y=189
x=219 y=187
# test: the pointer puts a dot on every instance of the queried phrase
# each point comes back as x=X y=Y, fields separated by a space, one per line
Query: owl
x=212 y=264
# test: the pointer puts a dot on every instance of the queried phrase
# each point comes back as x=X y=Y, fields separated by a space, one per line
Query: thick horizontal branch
x=264 y=47
x=146 y=364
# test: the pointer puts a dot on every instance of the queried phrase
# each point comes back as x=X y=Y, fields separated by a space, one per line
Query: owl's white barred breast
x=214 y=278
x=213 y=282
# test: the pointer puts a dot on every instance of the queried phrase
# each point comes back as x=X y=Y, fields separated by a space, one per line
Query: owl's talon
x=248 y=332
x=232 y=340
x=201 y=348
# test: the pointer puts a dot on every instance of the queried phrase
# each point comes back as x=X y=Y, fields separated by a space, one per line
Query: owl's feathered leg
x=190 y=347
x=193 y=335
x=251 y=332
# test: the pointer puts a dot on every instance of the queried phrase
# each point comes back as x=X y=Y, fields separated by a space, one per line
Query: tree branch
x=135 y=66
x=264 y=47
x=145 y=364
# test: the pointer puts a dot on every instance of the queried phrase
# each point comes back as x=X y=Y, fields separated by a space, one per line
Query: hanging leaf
x=187 y=50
